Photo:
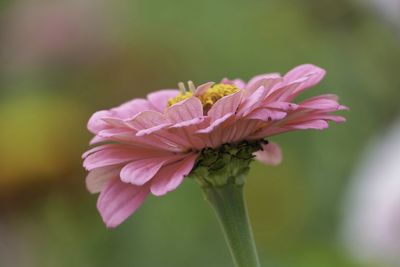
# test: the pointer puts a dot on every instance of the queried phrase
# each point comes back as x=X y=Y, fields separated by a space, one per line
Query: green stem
x=229 y=205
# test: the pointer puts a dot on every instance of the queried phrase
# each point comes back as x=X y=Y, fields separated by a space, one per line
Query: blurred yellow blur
x=38 y=140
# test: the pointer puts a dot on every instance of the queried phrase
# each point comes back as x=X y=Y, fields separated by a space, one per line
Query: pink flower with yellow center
x=150 y=145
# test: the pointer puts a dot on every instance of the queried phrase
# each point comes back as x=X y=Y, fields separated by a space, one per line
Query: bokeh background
x=60 y=61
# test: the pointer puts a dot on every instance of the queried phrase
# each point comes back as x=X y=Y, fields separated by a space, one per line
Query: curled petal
x=270 y=154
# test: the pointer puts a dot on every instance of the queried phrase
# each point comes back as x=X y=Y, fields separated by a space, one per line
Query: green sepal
x=226 y=164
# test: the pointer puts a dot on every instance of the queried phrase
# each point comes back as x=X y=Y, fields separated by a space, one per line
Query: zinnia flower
x=150 y=145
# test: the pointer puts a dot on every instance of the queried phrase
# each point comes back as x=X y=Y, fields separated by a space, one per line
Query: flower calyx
x=226 y=164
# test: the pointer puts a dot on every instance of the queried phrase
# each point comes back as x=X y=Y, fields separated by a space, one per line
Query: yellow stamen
x=209 y=97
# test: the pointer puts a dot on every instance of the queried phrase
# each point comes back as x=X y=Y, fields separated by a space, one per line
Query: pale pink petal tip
x=270 y=154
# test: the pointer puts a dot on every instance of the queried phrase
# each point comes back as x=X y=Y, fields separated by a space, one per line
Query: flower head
x=149 y=145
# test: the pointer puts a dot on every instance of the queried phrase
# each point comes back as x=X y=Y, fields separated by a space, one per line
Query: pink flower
x=149 y=145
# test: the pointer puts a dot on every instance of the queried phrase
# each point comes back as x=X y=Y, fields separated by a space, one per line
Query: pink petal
x=118 y=200
x=203 y=88
x=253 y=101
x=215 y=138
x=305 y=70
x=320 y=103
x=159 y=99
x=186 y=110
x=171 y=176
x=270 y=154
x=284 y=93
x=318 y=116
x=141 y=171
x=187 y=131
x=97 y=178
x=335 y=118
x=227 y=104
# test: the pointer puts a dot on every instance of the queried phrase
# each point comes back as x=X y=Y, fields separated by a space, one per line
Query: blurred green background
x=60 y=61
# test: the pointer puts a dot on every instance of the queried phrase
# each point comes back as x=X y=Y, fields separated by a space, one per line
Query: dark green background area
x=47 y=219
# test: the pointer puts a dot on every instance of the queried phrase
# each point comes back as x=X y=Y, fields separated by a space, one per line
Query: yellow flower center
x=209 y=97
x=215 y=93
